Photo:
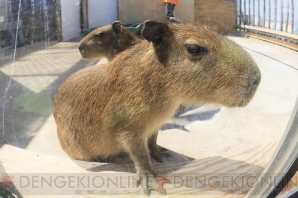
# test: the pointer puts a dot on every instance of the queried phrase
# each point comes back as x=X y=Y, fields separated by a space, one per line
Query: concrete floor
x=206 y=139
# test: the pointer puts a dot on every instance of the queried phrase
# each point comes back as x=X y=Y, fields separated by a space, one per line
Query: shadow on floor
x=215 y=173
x=22 y=51
x=23 y=112
x=123 y=162
x=188 y=114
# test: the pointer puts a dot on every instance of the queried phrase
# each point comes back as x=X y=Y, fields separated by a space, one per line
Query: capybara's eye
x=195 y=50
x=99 y=34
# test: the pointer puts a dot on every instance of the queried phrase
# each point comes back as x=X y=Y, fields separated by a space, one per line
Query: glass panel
x=187 y=82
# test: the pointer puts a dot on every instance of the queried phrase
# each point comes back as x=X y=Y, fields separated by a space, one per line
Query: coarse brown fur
x=107 y=41
x=102 y=111
x=114 y=39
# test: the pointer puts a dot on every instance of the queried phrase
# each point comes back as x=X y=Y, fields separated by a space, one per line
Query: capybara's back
x=101 y=111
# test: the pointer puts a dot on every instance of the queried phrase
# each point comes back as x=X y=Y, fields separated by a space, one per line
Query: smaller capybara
x=101 y=111
x=107 y=41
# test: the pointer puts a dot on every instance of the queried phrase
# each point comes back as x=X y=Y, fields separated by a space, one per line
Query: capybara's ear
x=154 y=31
x=117 y=26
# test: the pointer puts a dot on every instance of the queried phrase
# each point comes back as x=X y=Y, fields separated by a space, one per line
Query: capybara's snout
x=254 y=79
x=248 y=91
x=237 y=77
x=249 y=80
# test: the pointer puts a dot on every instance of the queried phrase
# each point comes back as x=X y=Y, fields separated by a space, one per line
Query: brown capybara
x=102 y=111
x=107 y=41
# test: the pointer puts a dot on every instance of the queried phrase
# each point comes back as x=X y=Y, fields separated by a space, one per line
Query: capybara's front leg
x=137 y=148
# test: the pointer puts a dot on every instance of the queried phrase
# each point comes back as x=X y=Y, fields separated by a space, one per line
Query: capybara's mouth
x=245 y=100
x=240 y=104
x=82 y=53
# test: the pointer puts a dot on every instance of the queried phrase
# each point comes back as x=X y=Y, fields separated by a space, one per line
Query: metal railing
x=279 y=15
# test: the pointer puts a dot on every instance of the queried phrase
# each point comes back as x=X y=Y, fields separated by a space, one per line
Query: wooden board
x=224 y=177
x=285 y=34
x=29 y=170
x=277 y=37
x=274 y=40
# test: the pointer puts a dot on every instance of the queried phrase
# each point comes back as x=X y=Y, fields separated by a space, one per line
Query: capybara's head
x=107 y=41
x=204 y=66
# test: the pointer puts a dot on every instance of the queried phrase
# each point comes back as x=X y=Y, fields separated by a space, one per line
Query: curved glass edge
x=282 y=165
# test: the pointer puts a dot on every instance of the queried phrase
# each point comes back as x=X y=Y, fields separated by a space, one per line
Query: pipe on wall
x=84 y=14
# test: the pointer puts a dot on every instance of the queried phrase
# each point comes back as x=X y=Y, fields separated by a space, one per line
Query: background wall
x=137 y=11
x=217 y=13
x=101 y=12
x=70 y=17
x=185 y=10
x=220 y=14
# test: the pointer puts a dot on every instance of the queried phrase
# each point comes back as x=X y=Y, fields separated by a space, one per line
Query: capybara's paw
x=147 y=191
x=151 y=183
x=138 y=180
x=163 y=191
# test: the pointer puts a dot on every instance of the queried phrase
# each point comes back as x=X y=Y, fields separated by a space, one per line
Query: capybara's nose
x=256 y=82
x=80 y=48
x=257 y=77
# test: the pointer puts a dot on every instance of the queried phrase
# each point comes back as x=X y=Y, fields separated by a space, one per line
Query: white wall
x=70 y=14
x=101 y=12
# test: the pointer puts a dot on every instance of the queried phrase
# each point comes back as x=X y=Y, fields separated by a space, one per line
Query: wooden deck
x=278 y=37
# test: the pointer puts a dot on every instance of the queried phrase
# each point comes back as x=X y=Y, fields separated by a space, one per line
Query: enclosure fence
x=278 y=15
